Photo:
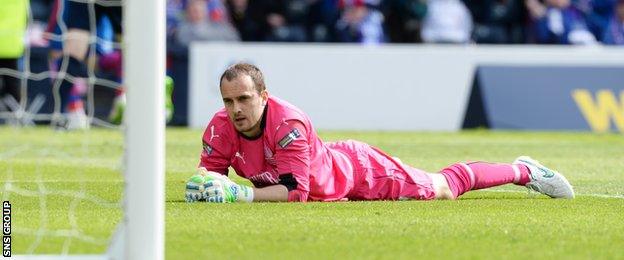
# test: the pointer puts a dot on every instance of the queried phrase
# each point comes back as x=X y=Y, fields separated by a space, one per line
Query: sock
x=77 y=68
x=78 y=90
x=464 y=177
x=70 y=93
x=120 y=91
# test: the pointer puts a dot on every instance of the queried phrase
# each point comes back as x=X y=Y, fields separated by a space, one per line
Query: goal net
x=96 y=191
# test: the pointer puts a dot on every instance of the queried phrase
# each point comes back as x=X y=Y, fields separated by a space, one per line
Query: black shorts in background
x=77 y=15
x=9 y=85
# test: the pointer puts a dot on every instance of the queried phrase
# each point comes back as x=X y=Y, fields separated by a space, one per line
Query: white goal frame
x=144 y=74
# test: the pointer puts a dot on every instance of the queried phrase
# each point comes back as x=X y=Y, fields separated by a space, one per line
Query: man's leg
x=77 y=43
x=72 y=94
x=441 y=187
x=75 y=49
x=379 y=176
x=464 y=177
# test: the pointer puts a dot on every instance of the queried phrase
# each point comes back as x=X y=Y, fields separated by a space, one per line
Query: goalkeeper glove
x=214 y=187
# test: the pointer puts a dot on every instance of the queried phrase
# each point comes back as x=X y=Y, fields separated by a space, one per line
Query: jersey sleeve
x=217 y=148
x=292 y=155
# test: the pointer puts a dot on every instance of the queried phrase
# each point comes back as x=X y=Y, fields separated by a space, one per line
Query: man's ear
x=265 y=97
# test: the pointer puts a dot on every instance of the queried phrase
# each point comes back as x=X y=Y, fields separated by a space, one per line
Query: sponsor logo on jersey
x=212 y=133
x=289 y=138
x=240 y=156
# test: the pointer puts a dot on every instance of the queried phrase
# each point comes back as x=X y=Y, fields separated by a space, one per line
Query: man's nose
x=237 y=108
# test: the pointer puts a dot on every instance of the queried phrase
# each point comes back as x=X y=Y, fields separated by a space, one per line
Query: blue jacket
x=546 y=33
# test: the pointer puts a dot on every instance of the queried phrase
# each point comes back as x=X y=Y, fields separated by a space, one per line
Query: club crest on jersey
x=289 y=138
x=207 y=149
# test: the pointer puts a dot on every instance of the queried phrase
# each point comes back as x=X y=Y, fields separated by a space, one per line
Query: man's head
x=559 y=4
x=196 y=11
x=619 y=10
x=244 y=96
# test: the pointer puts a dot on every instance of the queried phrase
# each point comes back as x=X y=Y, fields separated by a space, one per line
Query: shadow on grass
x=460 y=199
x=175 y=201
x=504 y=198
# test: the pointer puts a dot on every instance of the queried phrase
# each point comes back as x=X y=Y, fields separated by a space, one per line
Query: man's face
x=561 y=4
x=196 y=11
x=243 y=104
x=619 y=9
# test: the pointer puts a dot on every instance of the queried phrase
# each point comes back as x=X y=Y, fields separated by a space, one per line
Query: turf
x=65 y=190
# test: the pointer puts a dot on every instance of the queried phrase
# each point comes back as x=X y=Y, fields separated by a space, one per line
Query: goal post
x=144 y=75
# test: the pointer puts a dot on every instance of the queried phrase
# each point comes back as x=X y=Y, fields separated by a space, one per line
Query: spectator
x=276 y=20
x=288 y=23
x=596 y=13
x=175 y=14
x=497 y=21
x=614 y=33
x=203 y=24
x=447 y=21
x=322 y=18
x=558 y=23
x=404 y=19
x=237 y=11
x=360 y=22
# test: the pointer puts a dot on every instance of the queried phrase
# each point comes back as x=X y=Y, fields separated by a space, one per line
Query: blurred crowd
x=398 y=21
x=389 y=21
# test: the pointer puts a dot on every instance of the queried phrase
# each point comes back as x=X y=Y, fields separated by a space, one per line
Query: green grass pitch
x=65 y=190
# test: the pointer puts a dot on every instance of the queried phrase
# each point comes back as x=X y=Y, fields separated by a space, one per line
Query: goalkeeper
x=273 y=144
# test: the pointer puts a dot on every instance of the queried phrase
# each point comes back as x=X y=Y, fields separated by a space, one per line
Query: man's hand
x=214 y=187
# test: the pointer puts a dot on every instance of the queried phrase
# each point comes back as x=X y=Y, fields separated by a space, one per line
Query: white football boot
x=546 y=181
x=77 y=120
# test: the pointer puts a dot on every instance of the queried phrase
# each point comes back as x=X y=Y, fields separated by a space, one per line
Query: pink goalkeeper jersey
x=288 y=152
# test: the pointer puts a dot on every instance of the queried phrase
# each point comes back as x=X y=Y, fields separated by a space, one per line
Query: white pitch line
x=606 y=196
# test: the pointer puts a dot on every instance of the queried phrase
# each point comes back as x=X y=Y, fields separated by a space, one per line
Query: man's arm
x=292 y=156
x=217 y=147
x=271 y=193
x=215 y=187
